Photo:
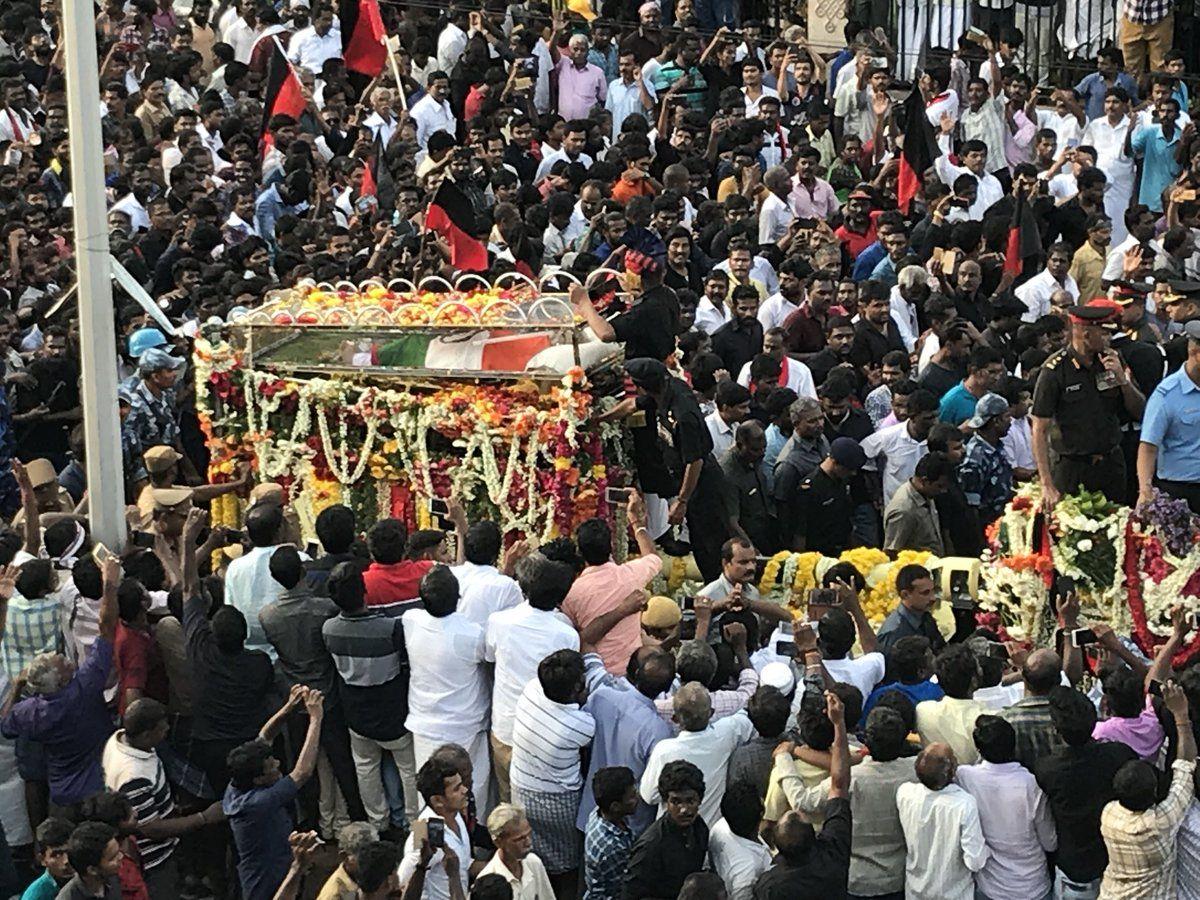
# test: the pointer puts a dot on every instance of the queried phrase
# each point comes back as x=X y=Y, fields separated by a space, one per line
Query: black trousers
x=1104 y=473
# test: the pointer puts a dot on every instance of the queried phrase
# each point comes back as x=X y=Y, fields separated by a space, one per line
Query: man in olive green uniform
x=1078 y=402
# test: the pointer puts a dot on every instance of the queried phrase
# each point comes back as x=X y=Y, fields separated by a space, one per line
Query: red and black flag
x=363 y=39
x=452 y=216
x=919 y=151
x=284 y=93
x=1024 y=238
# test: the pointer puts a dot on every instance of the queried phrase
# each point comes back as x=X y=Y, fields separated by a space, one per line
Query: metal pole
x=98 y=383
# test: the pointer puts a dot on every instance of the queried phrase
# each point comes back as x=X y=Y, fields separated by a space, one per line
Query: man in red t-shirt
x=394 y=575
x=140 y=669
x=858 y=231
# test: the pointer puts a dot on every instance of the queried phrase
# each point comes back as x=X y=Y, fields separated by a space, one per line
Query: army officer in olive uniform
x=1077 y=409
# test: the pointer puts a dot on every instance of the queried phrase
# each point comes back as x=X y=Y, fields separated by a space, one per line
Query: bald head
x=655 y=672
x=693 y=706
x=1041 y=672
x=936 y=766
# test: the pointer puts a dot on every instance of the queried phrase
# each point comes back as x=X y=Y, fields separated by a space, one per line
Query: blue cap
x=145 y=339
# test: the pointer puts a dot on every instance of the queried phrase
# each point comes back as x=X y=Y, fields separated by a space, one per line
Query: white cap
x=778 y=675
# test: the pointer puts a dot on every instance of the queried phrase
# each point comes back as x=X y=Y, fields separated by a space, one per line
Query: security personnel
x=1138 y=343
x=687 y=449
x=1182 y=305
x=162 y=467
x=1078 y=403
x=821 y=518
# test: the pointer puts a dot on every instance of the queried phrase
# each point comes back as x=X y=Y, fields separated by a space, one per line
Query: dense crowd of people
x=824 y=350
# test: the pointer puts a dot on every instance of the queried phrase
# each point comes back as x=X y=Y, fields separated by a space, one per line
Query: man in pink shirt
x=602 y=586
x=581 y=84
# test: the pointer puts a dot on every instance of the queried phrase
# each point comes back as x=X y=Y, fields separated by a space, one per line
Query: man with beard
x=1087 y=266
x=50 y=406
x=133 y=204
x=741 y=339
x=839 y=338
x=777 y=310
x=876 y=334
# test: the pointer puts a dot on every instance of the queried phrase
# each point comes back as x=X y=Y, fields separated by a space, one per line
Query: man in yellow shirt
x=1087 y=267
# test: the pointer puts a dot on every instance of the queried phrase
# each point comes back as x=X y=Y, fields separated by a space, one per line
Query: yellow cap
x=161 y=458
x=661 y=612
x=170 y=498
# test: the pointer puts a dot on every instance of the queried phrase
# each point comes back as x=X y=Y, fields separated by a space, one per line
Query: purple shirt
x=73 y=724
x=818 y=203
x=579 y=89
x=1144 y=735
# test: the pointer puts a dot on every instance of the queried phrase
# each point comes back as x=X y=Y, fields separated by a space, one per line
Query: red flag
x=284 y=93
x=919 y=151
x=452 y=216
x=369 y=187
x=362 y=37
x=1024 y=240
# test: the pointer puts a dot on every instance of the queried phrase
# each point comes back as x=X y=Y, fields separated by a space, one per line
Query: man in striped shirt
x=132 y=767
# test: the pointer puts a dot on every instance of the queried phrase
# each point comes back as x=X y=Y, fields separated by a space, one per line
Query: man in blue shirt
x=1169 y=452
x=1107 y=75
x=985 y=369
x=627 y=723
x=259 y=800
x=1158 y=143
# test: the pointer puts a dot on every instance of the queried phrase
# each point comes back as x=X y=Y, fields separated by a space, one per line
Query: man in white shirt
x=738 y=854
x=517 y=640
x=453 y=40
x=242 y=31
x=446 y=799
x=310 y=47
x=941 y=828
x=775 y=216
x=974 y=156
x=910 y=292
x=733 y=406
x=774 y=311
x=248 y=582
x=483 y=588
x=1037 y=291
x=1107 y=134
x=1013 y=813
x=448 y=690
x=713 y=309
x=793 y=374
x=836 y=636
x=902 y=445
x=702 y=742
x=382 y=122
x=432 y=112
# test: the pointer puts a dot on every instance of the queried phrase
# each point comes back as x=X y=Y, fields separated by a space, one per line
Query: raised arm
x=852 y=605
x=583 y=305
x=306 y=762
x=31 y=523
x=592 y=633
x=111 y=572
x=272 y=725
x=1160 y=668
x=839 y=769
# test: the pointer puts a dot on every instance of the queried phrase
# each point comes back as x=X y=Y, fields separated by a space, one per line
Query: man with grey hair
x=775 y=217
x=581 y=84
x=351 y=839
x=702 y=742
x=696 y=661
x=515 y=861
x=941 y=828
x=65 y=708
x=802 y=453
x=908 y=295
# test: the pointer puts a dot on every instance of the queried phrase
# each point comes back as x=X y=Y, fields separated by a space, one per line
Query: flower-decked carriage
x=386 y=396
